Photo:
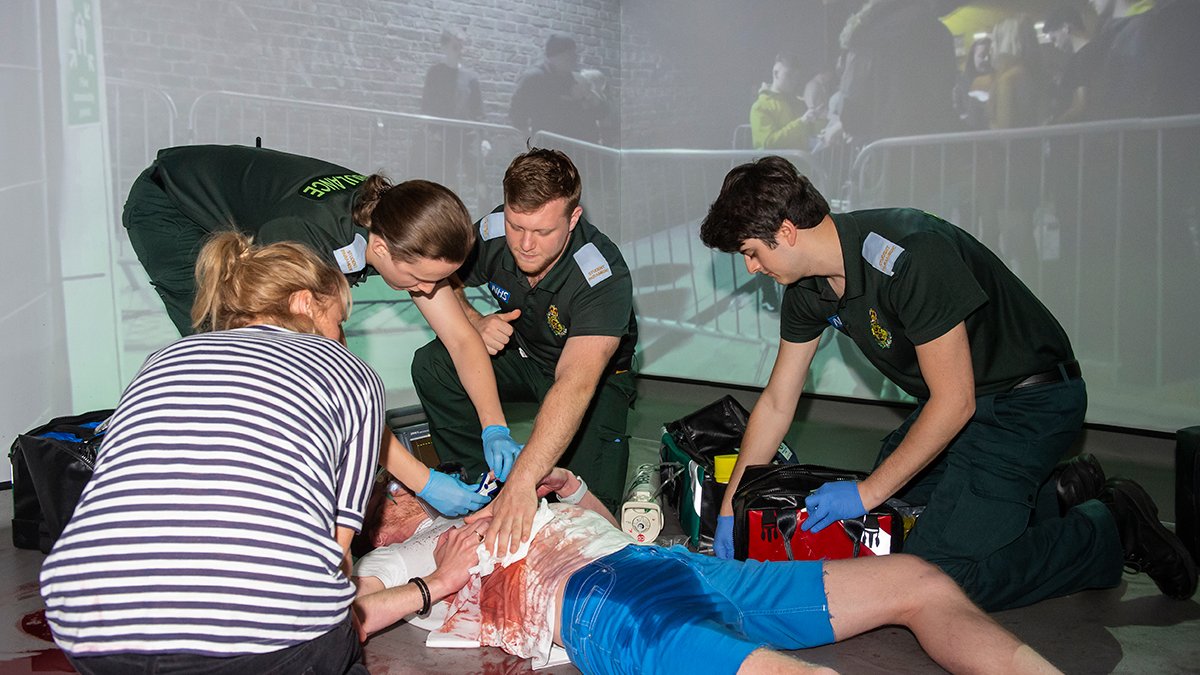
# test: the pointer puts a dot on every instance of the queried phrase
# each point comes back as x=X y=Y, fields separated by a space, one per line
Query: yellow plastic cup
x=723 y=467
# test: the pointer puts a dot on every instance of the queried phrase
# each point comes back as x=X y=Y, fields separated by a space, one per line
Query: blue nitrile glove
x=832 y=502
x=450 y=496
x=723 y=539
x=500 y=450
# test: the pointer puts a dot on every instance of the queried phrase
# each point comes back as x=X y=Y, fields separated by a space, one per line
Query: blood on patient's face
x=392 y=519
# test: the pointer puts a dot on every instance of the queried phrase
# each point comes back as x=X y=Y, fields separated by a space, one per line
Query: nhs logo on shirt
x=500 y=293
x=836 y=322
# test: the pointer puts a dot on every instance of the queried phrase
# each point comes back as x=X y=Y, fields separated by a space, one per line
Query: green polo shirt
x=588 y=291
x=270 y=195
x=910 y=278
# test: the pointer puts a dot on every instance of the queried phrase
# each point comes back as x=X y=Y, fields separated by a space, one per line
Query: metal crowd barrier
x=468 y=157
x=681 y=288
x=1098 y=218
x=141 y=120
x=649 y=201
x=1085 y=213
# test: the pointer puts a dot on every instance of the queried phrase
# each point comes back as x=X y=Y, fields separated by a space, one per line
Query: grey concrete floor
x=1128 y=629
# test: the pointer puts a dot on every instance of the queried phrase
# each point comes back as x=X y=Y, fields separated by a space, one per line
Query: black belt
x=1061 y=373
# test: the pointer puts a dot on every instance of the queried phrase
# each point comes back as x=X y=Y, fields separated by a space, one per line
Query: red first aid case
x=768 y=509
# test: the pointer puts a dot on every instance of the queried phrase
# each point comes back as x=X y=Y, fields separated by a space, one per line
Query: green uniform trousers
x=167 y=244
x=992 y=519
x=599 y=453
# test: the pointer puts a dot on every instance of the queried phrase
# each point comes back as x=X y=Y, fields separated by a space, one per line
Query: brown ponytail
x=369 y=193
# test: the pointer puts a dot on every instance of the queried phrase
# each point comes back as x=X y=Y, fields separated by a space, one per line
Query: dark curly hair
x=755 y=200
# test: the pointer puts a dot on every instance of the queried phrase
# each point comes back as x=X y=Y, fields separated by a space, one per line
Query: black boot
x=1148 y=546
x=1077 y=480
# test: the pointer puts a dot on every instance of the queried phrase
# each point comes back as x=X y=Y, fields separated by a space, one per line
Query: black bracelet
x=425 y=596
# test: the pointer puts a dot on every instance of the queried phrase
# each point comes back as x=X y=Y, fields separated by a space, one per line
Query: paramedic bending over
x=420 y=233
x=213 y=535
x=413 y=234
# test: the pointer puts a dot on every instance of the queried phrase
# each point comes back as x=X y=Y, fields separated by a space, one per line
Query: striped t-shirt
x=208 y=526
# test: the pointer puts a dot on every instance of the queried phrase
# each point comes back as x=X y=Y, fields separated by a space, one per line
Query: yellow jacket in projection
x=776 y=122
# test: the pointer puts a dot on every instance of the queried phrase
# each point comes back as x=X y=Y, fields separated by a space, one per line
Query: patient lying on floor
x=619 y=607
x=508 y=602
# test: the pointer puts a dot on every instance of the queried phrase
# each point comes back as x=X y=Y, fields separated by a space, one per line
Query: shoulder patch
x=491 y=226
x=592 y=263
x=881 y=253
x=352 y=257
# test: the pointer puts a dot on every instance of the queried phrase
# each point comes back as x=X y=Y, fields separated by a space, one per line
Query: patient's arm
x=563 y=483
x=366 y=586
x=377 y=608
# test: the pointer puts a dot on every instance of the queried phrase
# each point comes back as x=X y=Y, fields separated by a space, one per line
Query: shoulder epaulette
x=882 y=253
x=491 y=226
x=592 y=263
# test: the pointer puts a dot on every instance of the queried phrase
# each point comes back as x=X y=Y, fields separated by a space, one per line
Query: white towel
x=488 y=560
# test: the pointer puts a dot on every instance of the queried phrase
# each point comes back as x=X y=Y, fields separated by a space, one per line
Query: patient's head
x=392 y=515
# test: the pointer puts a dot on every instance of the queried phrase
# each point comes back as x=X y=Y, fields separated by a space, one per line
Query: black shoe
x=1079 y=479
x=1149 y=547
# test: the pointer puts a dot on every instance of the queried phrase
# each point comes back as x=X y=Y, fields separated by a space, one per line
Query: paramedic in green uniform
x=413 y=234
x=1000 y=395
x=191 y=191
x=563 y=336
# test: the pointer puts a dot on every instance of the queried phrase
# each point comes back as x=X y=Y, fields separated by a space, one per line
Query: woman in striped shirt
x=213 y=535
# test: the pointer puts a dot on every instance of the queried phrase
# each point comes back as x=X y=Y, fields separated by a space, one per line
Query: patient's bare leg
x=900 y=589
x=763 y=661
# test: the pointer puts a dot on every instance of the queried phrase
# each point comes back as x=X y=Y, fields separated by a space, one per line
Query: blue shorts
x=646 y=609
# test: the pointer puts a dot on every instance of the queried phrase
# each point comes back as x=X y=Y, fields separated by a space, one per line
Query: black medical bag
x=689 y=445
x=50 y=467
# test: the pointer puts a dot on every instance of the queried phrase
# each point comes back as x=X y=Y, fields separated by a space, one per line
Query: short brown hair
x=238 y=283
x=416 y=219
x=538 y=177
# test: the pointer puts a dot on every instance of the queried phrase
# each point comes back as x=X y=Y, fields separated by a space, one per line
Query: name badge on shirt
x=353 y=257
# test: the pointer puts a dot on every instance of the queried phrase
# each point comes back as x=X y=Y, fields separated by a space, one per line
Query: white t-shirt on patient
x=513 y=607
